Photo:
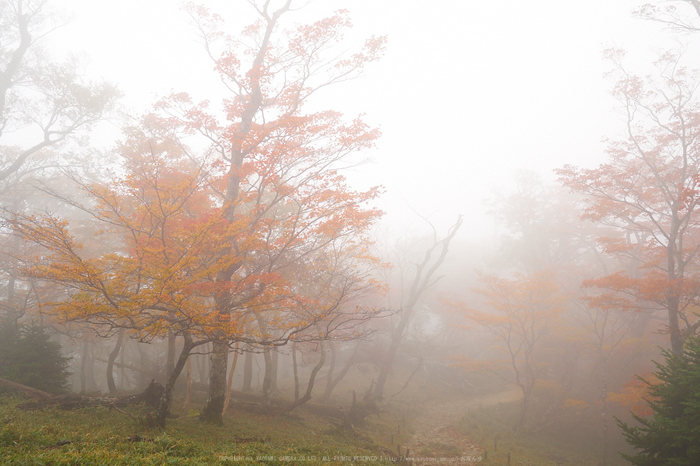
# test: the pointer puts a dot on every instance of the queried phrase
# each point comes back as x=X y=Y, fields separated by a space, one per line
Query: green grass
x=491 y=427
x=98 y=436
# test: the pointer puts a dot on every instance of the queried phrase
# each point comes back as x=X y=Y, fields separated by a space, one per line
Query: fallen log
x=28 y=391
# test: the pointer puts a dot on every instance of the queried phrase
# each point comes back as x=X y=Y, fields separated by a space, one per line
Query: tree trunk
x=229 y=388
x=275 y=370
x=390 y=356
x=214 y=408
x=202 y=362
x=421 y=282
x=170 y=358
x=110 y=362
x=248 y=371
x=83 y=368
x=87 y=375
x=296 y=373
x=144 y=372
x=90 y=369
x=28 y=391
x=527 y=394
x=604 y=419
x=674 y=323
x=267 y=377
x=188 y=394
x=346 y=368
x=312 y=378
x=166 y=400
x=329 y=376
x=217 y=377
x=122 y=370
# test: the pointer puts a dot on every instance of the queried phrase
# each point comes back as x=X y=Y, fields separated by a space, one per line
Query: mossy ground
x=99 y=436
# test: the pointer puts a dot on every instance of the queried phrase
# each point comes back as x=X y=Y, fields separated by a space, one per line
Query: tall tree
x=298 y=247
x=424 y=277
x=270 y=74
x=648 y=192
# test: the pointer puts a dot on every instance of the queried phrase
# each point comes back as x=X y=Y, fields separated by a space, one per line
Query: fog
x=466 y=93
x=447 y=225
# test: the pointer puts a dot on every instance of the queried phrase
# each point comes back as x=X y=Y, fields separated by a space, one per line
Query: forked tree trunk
x=421 y=282
x=312 y=379
x=166 y=400
x=341 y=375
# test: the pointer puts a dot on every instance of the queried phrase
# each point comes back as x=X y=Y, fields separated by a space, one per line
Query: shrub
x=29 y=357
x=672 y=435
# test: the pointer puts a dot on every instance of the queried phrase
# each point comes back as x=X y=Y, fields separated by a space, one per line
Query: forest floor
x=448 y=428
x=436 y=437
x=100 y=436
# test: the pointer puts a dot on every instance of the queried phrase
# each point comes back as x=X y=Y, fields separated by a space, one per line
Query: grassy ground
x=98 y=436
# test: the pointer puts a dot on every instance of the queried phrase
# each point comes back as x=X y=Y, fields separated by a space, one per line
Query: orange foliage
x=262 y=228
x=520 y=312
x=635 y=393
x=647 y=193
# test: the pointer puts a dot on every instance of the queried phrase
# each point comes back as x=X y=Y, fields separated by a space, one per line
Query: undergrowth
x=100 y=436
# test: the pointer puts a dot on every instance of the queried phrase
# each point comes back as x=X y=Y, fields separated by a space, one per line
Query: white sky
x=468 y=91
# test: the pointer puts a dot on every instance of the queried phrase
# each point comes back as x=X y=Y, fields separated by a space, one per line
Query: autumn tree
x=266 y=136
x=597 y=343
x=259 y=240
x=169 y=233
x=648 y=193
x=145 y=283
x=519 y=313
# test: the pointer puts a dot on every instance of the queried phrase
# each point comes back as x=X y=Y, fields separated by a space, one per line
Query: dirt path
x=436 y=435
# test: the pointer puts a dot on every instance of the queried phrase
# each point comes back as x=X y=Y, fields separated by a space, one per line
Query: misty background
x=467 y=92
